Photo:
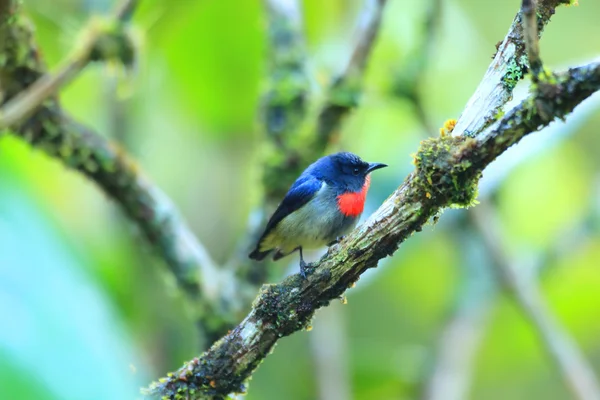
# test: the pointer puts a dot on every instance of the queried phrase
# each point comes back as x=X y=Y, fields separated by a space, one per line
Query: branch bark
x=509 y=66
x=78 y=147
x=344 y=92
x=103 y=40
x=447 y=171
x=291 y=147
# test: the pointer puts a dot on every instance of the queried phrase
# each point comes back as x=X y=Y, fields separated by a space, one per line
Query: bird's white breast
x=314 y=225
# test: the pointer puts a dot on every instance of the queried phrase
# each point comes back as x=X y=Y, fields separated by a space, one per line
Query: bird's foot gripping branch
x=447 y=172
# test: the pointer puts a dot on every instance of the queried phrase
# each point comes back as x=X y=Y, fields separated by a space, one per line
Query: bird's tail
x=259 y=255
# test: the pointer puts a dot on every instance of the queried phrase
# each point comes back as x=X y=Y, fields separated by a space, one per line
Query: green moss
x=514 y=73
x=113 y=42
x=346 y=92
x=443 y=174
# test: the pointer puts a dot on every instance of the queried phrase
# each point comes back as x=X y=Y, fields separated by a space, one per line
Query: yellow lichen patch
x=448 y=127
x=450 y=124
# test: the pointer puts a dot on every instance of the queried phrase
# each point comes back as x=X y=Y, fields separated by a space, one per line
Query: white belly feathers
x=314 y=225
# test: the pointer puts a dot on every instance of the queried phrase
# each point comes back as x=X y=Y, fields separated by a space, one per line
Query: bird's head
x=345 y=171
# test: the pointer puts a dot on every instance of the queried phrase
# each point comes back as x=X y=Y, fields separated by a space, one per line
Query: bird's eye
x=356 y=171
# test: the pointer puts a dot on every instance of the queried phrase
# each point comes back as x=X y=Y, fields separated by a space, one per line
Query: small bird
x=323 y=205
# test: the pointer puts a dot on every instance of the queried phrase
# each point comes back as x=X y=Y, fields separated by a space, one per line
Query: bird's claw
x=305 y=269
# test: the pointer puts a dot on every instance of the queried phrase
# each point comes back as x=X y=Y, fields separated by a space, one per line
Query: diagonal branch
x=530 y=33
x=578 y=375
x=450 y=374
x=103 y=40
x=285 y=100
x=344 y=92
x=447 y=172
x=506 y=70
x=80 y=148
x=408 y=78
x=285 y=109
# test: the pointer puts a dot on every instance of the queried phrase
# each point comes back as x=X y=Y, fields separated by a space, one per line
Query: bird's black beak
x=374 y=166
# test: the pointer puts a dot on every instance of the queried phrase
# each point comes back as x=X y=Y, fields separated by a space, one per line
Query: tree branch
x=447 y=171
x=102 y=40
x=451 y=362
x=285 y=101
x=408 y=78
x=285 y=111
x=50 y=129
x=284 y=108
x=578 y=375
x=530 y=33
x=506 y=70
x=344 y=92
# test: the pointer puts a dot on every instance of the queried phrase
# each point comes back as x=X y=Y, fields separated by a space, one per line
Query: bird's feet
x=336 y=241
x=305 y=269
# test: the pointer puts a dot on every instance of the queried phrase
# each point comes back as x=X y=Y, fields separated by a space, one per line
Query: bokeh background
x=87 y=312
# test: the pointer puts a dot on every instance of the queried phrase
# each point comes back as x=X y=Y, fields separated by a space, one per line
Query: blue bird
x=323 y=205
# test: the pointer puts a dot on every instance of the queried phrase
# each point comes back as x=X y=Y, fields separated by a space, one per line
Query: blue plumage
x=301 y=192
x=309 y=215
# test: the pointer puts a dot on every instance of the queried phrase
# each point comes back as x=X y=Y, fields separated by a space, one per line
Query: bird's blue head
x=344 y=171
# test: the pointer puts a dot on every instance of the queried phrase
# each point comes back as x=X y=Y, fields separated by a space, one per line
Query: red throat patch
x=352 y=204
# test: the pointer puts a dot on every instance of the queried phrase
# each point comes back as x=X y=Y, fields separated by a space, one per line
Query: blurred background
x=87 y=311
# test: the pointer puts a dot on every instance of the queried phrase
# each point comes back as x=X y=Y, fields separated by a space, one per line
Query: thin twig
x=124 y=11
x=283 y=309
x=407 y=80
x=458 y=343
x=345 y=90
x=284 y=108
x=329 y=350
x=506 y=70
x=78 y=147
x=530 y=34
x=285 y=100
x=575 y=370
x=25 y=103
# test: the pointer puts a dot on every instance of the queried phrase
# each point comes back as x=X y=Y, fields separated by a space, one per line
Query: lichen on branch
x=509 y=66
x=50 y=129
x=285 y=308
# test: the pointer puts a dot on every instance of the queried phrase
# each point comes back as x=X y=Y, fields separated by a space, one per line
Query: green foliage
x=191 y=123
x=442 y=173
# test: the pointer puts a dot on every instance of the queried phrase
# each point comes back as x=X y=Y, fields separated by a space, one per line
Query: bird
x=323 y=205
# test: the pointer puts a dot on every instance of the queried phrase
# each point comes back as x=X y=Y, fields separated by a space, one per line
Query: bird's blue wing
x=301 y=192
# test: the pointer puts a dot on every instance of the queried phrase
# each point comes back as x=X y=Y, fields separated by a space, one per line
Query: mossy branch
x=102 y=40
x=447 y=171
x=285 y=101
x=509 y=66
x=290 y=147
x=50 y=129
x=531 y=37
x=408 y=77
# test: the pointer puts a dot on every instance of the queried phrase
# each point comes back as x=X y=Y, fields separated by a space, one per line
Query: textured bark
x=50 y=129
x=446 y=174
x=509 y=66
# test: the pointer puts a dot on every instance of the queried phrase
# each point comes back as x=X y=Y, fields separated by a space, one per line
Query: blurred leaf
x=61 y=329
